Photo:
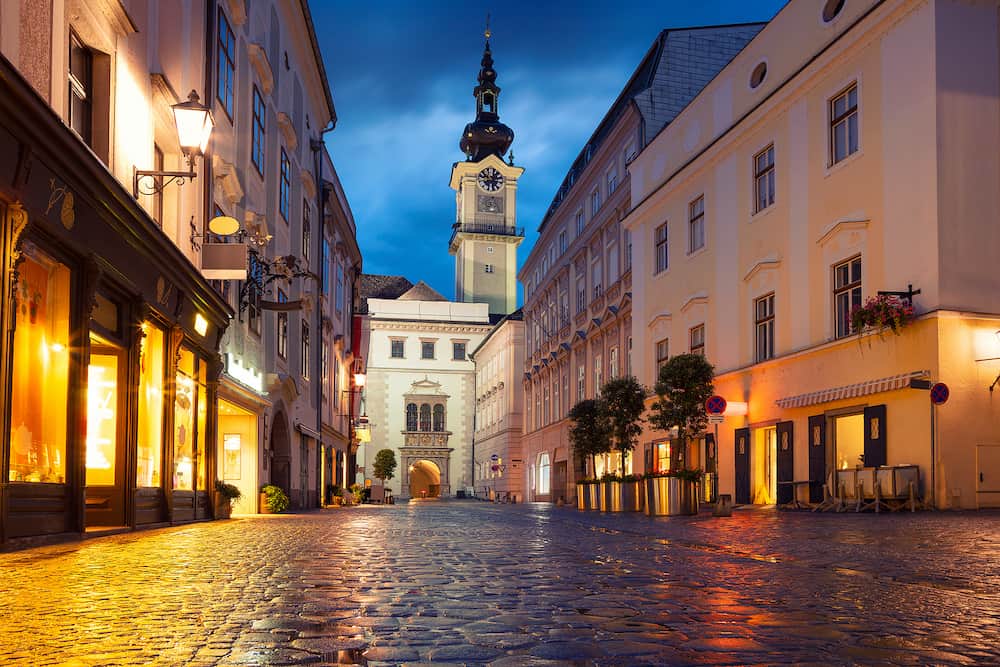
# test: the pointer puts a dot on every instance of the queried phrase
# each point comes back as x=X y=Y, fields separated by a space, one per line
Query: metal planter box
x=671 y=496
x=622 y=497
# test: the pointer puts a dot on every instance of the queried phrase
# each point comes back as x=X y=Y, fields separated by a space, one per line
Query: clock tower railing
x=482 y=227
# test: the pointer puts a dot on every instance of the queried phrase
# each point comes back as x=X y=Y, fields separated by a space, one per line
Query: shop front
x=110 y=366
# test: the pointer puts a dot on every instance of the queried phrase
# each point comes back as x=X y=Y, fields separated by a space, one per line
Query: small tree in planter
x=273 y=499
x=385 y=465
x=624 y=401
x=226 y=495
x=589 y=433
x=683 y=386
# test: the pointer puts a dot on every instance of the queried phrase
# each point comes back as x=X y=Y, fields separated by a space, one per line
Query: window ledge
x=695 y=253
x=764 y=212
x=834 y=168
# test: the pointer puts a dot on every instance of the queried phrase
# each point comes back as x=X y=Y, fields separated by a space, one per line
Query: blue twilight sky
x=402 y=75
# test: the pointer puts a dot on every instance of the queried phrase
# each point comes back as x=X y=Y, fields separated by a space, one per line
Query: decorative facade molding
x=261 y=65
x=842 y=225
x=764 y=264
x=227 y=179
x=288 y=131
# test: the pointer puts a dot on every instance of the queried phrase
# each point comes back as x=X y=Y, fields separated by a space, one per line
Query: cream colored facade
x=485 y=237
x=901 y=197
x=498 y=460
x=436 y=453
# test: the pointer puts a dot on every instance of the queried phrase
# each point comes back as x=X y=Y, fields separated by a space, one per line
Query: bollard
x=723 y=506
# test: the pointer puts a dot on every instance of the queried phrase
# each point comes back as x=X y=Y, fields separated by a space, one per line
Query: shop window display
x=102 y=418
x=151 y=371
x=184 y=414
x=39 y=391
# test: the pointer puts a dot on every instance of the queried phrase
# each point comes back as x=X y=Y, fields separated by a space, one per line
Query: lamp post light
x=194 y=128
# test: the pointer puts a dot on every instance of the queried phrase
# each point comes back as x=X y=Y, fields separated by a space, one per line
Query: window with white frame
x=613 y=363
x=846 y=294
x=763 y=318
x=630 y=152
x=763 y=179
x=257 y=131
x=628 y=357
x=458 y=351
x=595 y=202
x=697 y=335
x=662 y=353
x=556 y=405
x=662 y=257
x=562 y=242
x=595 y=270
x=305 y=351
x=581 y=382
x=544 y=469
x=612 y=259
x=627 y=260
x=489 y=268
x=612 y=180
x=81 y=90
x=579 y=224
x=282 y=322
x=427 y=349
x=598 y=368
x=581 y=294
x=844 y=124
x=696 y=224
x=396 y=348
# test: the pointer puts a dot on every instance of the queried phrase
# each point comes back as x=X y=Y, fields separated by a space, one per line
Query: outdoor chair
x=832 y=500
x=868 y=491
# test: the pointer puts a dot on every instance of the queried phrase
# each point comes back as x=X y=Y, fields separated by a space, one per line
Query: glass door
x=105 y=459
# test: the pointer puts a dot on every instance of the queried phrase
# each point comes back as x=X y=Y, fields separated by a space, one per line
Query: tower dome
x=486 y=135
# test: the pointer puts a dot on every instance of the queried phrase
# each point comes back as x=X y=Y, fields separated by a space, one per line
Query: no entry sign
x=715 y=405
x=940 y=393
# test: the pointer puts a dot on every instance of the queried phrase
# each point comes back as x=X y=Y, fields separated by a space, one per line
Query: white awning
x=890 y=383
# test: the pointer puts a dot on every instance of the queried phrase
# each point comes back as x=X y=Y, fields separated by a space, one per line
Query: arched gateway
x=425 y=479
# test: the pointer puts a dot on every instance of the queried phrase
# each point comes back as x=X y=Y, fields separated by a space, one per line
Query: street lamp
x=194 y=128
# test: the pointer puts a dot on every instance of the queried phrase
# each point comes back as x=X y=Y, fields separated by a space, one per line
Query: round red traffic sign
x=940 y=393
x=715 y=405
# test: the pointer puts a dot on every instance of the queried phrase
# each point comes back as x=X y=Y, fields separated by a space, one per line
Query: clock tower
x=485 y=235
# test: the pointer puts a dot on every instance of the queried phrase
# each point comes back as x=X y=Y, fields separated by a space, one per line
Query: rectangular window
x=562 y=242
x=255 y=275
x=339 y=297
x=151 y=379
x=305 y=351
x=581 y=382
x=844 y=124
x=581 y=295
x=698 y=340
x=628 y=357
x=579 y=224
x=763 y=179
x=282 y=327
x=285 y=185
x=427 y=350
x=227 y=64
x=324 y=360
x=257 y=132
x=306 y=230
x=696 y=224
x=763 y=309
x=595 y=271
x=489 y=268
x=595 y=202
x=40 y=382
x=81 y=90
x=598 y=368
x=612 y=181
x=324 y=269
x=662 y=258
x=458 y=351
x=396 y=349
x=630 y=152
x=662 y=353
x=613 y=363
x=627 y=262
x=846 y=294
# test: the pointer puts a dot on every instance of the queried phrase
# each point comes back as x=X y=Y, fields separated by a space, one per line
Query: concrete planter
x=671 y=496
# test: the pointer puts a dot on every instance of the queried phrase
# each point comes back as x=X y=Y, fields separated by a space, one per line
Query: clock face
x=490 y=179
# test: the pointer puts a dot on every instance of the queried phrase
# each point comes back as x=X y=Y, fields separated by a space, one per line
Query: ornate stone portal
x=425 y=441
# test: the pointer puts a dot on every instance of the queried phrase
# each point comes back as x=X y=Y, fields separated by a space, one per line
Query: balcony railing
x=486 y=228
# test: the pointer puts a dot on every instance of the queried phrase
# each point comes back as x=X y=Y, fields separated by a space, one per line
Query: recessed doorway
x=425 y=479
x=765 y=466
x=105 y=456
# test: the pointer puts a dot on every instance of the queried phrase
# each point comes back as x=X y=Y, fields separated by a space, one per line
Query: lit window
x=844 y=124
x=696 y=224
x=763 y=179
x=698 y=340
x=846 y=294
x=544 y=469
x=282 y=327
x=764 y=327
x=285 y=185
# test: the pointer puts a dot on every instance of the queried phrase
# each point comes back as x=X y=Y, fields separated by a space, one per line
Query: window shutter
x=785 y=461
x=875 y=454
x=817 y=457
x=742 y=453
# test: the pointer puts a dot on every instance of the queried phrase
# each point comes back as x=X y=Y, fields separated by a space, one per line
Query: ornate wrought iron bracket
x=906 y=296
x=158 y=180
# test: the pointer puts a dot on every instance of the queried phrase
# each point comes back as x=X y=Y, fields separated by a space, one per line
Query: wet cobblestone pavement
x=474 y=583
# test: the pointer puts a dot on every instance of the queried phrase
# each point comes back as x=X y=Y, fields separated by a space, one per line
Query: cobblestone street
x=474 y=583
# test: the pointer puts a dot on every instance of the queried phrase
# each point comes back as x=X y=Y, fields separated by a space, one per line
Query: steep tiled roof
x=421 y=292
x=374 y=286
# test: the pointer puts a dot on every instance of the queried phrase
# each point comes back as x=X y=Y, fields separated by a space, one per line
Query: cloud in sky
x=402 y=75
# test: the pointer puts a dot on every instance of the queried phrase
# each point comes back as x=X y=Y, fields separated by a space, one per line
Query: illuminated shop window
x=102 y=417
x=185 y=410
x=39 y=384
x=150 y=445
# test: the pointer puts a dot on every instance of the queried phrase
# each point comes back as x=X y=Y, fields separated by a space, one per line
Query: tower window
x=489 y=268
x=489 y=103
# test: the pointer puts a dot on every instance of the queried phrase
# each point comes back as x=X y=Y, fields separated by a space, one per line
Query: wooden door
x=105 y=457
x=817 y=457
x=785 y=462
x=742 y=460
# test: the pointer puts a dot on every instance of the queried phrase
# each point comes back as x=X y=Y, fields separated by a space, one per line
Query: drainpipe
x=316 y=146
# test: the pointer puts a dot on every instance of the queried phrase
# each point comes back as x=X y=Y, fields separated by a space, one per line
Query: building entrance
x=105 y=456
x=765 y=466
x=425 y=479
x=237 y=454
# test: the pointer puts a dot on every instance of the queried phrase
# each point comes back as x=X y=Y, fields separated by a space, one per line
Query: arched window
x=438 y=417
x=543 y=473
x=488 y=103
x=411 y=416
x=425 y=417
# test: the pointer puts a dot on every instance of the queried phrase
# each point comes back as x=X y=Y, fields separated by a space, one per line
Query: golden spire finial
x=487 y=32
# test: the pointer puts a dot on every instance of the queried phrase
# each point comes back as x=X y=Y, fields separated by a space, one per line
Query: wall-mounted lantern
x=194 y=128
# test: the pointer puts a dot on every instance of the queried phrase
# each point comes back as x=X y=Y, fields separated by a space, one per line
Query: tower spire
x=486 y=135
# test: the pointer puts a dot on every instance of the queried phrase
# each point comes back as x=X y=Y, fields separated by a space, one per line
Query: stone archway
x=425 y=479
x=281 y=450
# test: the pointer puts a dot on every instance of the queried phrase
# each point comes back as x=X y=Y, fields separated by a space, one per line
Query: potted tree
x=683 y=386
x=588 y=436
x=272 y=499
x=225 y=496
x=384 y=466
x=624 y=402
